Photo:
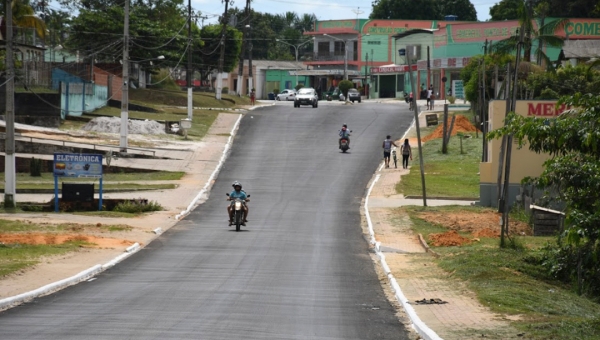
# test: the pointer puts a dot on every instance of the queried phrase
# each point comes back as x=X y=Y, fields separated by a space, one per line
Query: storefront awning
x=318 y=72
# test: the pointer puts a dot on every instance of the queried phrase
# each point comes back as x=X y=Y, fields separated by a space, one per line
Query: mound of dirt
x=448 y=239
x=113 y=125
x=53 y=239
x=479 y=224
x=461 y=124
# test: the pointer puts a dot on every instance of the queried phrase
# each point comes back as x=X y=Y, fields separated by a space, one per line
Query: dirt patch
x=448 y=239
x=479 y=224
x=55 y=239
x=461 y=124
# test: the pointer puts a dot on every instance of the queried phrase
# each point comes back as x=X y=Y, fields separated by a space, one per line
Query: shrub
x=138 y=206
x=163 y=80
x=451 y=99
x=344 y=86
x=298 y=87
x=225 y=90
x=276 y=91
x=35 y=167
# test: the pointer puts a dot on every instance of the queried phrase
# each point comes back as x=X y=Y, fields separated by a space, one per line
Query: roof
x=574 y=49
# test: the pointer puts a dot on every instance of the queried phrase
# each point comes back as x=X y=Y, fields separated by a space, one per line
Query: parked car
x=353 y=95
x=307 y=96
x=286 y=95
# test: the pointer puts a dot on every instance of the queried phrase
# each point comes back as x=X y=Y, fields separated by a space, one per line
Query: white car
x=286 y=95
x=307 y=96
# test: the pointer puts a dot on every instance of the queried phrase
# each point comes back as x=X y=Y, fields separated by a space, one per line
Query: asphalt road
x=300 y=270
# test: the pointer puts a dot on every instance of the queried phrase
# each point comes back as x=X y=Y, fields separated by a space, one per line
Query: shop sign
x=582 y=29
x=483 y=31
x=392 y=69
x=545 y=109
x=457 y=89
x=77 y=165
x=450 y=62
x=337 y=24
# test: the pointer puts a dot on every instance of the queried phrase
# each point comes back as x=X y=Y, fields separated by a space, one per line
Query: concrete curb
x=421 y=328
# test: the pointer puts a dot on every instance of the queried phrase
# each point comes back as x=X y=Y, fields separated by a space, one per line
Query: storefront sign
x=77 y=165
x=483 y=31
x=337 y=24
x=450 y=62
x=545 y=109
x=578 y=28
x=457 y=89
x=392 y=69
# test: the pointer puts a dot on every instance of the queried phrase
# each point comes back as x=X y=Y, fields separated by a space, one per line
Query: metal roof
x=574 y=49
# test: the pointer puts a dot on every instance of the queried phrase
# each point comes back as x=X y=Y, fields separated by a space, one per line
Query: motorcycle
x=237 y=205
x=345 y=143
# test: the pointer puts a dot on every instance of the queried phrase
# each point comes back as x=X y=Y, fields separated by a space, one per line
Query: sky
x=323 y=9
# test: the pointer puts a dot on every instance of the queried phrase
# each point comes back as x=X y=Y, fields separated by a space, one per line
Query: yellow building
x=524 y=163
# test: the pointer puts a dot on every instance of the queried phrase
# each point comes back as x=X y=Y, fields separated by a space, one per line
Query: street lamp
x=296 y=47
x=345 y=41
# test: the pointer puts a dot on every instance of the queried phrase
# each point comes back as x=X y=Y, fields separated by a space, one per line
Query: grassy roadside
x=452 y=175
x=14 y=257
x=511 y=281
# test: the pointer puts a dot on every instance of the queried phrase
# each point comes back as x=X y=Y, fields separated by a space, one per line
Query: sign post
x=77 y=166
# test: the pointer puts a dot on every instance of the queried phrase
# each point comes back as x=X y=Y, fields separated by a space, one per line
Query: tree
x=24 y=17
x=344 y=86
x=406 y=9
x=543 y=35
x=566 y=81
x=210 y=54
x=573 y=172
x=574 y=8
x=505 y=10
x=463 y=9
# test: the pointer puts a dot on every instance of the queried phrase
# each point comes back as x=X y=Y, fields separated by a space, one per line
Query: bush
x=451 y=99
x=344 y=86
x=163 y=81
x=276 y=92
x=298 y=87
x=138 y=206
x=225 y=90
x=35 y=167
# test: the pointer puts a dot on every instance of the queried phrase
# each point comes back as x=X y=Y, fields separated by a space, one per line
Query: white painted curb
x=214 y=174
x=49 y=288
x=421 y=328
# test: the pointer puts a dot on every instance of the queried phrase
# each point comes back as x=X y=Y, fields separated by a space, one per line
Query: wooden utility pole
x=189 y=73
x=409 y=54
x=240 y=77
x=503 y=144
x=222 y=54
x=10 y=186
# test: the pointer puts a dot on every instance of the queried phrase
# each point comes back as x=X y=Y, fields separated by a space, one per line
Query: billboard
x=77 y=165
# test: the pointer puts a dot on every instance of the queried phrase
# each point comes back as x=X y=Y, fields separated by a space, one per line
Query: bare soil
x=478 y=224
x=461 y=124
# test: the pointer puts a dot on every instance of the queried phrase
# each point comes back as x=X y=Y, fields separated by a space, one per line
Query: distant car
x=286 y=95
x=307 y=96
x=353 y=95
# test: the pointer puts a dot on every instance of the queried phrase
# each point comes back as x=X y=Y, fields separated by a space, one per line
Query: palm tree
x=306 y=22
x=542 y=34
x=24 y=17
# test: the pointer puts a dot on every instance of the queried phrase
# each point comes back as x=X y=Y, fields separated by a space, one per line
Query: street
x=300 y=270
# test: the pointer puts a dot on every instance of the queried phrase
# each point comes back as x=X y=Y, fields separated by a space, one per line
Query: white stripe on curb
x=214 y=174
x=421 y=328
x=49 y=288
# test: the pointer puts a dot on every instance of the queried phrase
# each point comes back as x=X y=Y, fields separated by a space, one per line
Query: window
x=338 y=48
x=373 y=42
x=323 y=48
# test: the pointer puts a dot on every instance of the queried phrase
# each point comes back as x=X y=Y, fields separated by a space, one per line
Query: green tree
x=471 y=74
x=24 y=17
x=406 y=9
x=566 y=81
x=463 y=9
x=533 y=37
x=574 y=8
x=344 y=86
x=210 y=53
x=573 y=172
x=505 y=10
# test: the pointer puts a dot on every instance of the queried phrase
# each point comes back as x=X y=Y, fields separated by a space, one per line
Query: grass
x=512 y=281
x=14 y=257
x=108 y=177
x=452 y=175
x=105 y=186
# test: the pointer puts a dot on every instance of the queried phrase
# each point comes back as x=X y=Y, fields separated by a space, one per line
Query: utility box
x=546 y=222
x=77 y=192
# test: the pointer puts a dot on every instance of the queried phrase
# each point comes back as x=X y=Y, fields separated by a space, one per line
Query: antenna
x=357 y=11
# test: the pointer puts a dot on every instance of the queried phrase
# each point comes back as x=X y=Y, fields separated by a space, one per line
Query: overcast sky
x=323 y=9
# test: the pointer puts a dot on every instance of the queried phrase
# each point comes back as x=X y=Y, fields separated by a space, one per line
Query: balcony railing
x=329 y=56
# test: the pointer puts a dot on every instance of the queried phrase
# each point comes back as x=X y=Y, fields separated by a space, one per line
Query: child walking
x=406 y=152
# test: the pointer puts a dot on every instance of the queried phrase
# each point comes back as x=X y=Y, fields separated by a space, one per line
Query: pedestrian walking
x=252 y=97
x=406 y=152
x=431 y=101
x=387 y=149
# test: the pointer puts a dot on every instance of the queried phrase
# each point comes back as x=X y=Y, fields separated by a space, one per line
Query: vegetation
x=507 y=9
x=446 y=175
x=423 y=10
x=344 y=86
x=513 y=281
x=566 y=81
x=572 y=141
x=137 y=207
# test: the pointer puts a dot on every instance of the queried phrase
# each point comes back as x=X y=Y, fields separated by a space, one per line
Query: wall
x=524 y=163
x=40 y=109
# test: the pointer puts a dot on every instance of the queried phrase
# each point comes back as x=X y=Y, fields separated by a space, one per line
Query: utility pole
x=125 y=89
x=189 y=73
x=242 y=53
x=484 y=106
x=367 y=74
x=10 y=186
x=249 y=42
x=222 y=56
x=410 y=53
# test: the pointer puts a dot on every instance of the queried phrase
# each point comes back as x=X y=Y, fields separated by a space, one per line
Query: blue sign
x=77 y=165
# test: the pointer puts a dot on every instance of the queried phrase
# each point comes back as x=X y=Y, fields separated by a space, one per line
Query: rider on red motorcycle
x=344 y=133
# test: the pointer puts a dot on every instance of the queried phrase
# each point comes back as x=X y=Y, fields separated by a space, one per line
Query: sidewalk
x=417 y=273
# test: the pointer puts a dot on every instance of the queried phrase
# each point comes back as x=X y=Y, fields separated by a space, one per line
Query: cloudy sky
x=323 y=9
